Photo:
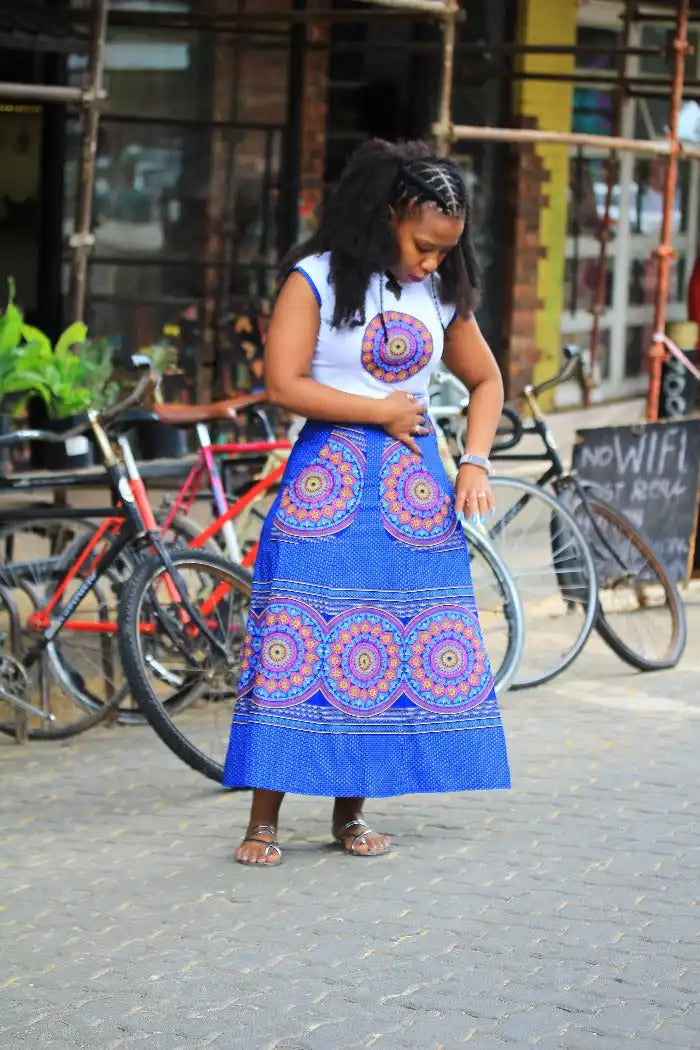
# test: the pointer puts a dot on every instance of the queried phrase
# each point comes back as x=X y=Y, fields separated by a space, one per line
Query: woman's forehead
x=429 y=222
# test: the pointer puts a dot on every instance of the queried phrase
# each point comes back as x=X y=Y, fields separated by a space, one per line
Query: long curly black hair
x=356 y=224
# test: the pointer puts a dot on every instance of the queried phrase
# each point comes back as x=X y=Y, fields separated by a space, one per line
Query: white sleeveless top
x=359 y=359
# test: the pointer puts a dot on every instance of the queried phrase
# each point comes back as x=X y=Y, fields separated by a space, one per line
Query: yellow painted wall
x=550 y=104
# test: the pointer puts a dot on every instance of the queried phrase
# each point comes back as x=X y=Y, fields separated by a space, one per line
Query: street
x=561 y=914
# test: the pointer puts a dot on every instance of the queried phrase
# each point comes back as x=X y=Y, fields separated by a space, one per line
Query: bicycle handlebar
x=40 y=435
x=573 y=360
x=138 y=396
x=516 y=434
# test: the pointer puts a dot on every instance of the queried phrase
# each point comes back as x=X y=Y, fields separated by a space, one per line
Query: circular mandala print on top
x=282 y=654
x=447 y=666
x=412 y=504
x=408 y=349
x=364 y=660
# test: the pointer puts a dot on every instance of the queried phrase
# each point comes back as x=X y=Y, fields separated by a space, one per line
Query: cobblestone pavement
x=558 y=915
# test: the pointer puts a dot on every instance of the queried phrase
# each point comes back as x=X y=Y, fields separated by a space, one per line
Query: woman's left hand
x=473 y=494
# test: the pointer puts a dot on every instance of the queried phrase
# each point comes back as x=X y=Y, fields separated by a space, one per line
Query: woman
x=364 y=671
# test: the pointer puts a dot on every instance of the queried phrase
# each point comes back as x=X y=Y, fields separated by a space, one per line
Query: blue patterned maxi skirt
x=364 y=671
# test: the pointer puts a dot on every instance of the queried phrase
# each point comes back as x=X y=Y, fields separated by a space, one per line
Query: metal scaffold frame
x=447 y=13
x=446 y=134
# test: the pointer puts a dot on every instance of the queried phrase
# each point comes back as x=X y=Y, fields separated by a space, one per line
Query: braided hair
x=356 y=224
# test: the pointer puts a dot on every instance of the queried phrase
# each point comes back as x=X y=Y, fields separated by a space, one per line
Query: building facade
x=226 y=123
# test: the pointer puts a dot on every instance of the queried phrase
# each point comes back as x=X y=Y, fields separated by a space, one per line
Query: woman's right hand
x=404 y=417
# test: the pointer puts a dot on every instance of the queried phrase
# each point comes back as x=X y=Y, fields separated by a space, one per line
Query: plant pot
x=73 y=454
x=155 y=440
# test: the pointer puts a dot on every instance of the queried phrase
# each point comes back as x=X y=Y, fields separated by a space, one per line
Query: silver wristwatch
x=477 y=461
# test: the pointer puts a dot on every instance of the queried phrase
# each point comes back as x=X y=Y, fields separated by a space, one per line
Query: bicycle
x=638 y=610
x=95 y=567
x=573 y=556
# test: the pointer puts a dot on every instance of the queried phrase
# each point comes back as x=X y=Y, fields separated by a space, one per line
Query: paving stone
x=556 y=915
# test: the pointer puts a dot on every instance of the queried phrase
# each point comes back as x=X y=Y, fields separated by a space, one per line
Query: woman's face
x=424 y=236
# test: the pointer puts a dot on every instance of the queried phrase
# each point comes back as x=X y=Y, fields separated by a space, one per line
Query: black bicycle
x=578 y=561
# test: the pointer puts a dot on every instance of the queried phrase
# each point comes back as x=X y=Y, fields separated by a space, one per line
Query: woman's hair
x=356 y=224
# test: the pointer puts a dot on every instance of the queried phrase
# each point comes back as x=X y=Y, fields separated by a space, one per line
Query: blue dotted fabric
x=364 y=670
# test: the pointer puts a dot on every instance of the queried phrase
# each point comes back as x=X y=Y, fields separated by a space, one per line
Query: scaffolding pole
x=449 y=36
x=664 y=252
x=82 y=239
x=478 y=133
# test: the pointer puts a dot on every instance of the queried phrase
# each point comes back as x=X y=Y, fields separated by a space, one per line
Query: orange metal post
x=664 y=253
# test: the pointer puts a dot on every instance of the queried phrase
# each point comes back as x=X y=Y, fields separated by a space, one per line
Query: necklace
x=433 y=294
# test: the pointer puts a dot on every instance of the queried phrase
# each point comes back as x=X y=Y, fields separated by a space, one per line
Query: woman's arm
x=289 y=349
x=468 y=356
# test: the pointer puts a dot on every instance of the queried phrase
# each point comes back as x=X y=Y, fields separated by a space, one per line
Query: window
x=189 y=186
x=635 y=212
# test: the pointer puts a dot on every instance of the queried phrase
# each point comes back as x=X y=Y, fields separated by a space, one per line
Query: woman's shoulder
x=316 y=270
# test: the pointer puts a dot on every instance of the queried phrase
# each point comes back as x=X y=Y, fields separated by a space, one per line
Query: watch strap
x=477 y=461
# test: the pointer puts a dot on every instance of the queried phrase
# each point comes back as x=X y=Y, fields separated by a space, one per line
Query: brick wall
x=527 y=198
x=313 y=121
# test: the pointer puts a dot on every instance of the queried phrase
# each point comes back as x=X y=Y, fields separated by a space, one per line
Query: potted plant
x=55 y=379
x=151 y=438
x=53 y=383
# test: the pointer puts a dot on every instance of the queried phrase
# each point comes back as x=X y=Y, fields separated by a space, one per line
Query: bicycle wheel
x=75 y=657
x=499 y=607
x=547 y=554
x=56 y=714
x=185 y=688
x=82 y=660
x=641 y=614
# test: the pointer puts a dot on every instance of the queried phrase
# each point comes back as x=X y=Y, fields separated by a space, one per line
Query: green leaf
x=10 y=322
x=34 y=335
x=75 y=333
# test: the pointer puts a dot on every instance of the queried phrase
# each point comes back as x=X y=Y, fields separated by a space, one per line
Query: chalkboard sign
x=650 y=472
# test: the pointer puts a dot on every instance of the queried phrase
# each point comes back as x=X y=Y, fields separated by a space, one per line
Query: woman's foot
x=358 y=839
x=259 y=847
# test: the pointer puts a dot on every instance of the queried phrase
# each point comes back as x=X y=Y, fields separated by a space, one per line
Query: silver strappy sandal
x=343 y=833
x=253 y=836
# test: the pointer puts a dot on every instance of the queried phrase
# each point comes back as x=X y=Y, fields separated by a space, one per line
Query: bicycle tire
x=580 y=561
x=134 y=663
x=479 y=548
x=604 y=623
x=184 y=530
x=21 y=728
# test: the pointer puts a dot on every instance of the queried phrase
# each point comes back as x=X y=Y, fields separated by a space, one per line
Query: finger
x=491 y=502
x=484 y=508
x=408 y=441
x=472 y=508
